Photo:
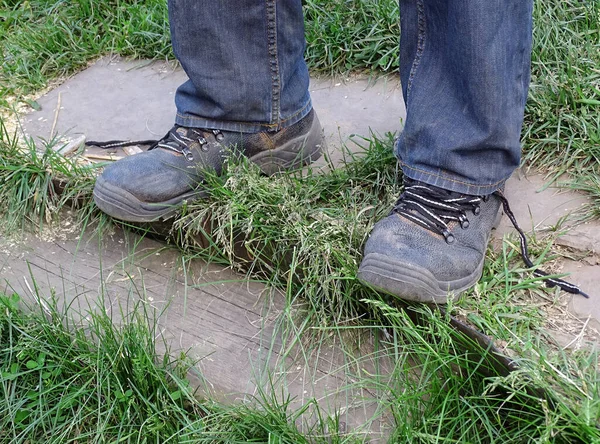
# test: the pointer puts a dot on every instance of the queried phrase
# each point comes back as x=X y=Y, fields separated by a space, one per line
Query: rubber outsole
x=292 y=155
x=123 y=205
x=410 y=282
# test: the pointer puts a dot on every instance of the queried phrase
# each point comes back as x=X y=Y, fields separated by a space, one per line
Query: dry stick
x=55 y=115
x=101 y=157
x=579 y=336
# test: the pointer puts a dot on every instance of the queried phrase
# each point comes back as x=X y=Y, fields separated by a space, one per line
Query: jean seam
x=271 y=9
x=421 y=35
x=449 y=179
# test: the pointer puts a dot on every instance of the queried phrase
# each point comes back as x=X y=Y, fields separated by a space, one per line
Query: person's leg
x=247 y=94
x=245 y=63
x=465 y=75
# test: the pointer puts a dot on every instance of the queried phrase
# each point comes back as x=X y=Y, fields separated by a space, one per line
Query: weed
x=36 y=183
x=101 y=380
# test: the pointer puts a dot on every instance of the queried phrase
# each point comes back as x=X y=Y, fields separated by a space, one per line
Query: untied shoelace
x=434 y=208
x=177 y=139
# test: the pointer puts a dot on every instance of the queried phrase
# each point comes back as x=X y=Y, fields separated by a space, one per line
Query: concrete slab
x=112 y=99
x=117 y=99
x=588 y=277
x=233 y=327
x=537 y=206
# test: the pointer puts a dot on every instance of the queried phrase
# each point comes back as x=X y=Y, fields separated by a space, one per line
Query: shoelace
x=180 y=142
x=172 y=141
x=435 y=209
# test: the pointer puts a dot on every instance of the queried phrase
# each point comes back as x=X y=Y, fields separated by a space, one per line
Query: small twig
x=579 y=336
x=101 y=157
x=28 y=286
x=56 y=115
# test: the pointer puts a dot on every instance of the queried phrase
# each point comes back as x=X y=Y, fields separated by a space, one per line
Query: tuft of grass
x=589 y=184
x=35 y=184
x=561 y=133
x=301 y=232
x=438 y=393
x=65 y=382
x=509 y=301
x=101 y=380
x=351 y=35
x=44 y=39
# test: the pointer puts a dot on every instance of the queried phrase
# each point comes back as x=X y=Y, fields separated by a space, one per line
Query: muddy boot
x=152 y=185
x=432 y=245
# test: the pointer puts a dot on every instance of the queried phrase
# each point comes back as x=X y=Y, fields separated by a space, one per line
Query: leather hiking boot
x=432 y=245
x=152 y=185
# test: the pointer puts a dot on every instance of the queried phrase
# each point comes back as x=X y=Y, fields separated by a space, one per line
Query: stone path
x=229 y=322
x=116 y=99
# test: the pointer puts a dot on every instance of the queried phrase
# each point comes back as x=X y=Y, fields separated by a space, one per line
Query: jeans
x=464 y=66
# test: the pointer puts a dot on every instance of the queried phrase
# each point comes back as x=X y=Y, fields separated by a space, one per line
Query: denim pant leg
x=245 y=63
x=465 y=69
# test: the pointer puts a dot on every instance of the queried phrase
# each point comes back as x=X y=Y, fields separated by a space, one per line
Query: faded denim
x=464 y=66
x=465 y=69
x=245 y=62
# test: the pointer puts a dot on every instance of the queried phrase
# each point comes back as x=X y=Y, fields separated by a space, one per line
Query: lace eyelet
x=188 y=154
x=449 y=237
x=218 y=135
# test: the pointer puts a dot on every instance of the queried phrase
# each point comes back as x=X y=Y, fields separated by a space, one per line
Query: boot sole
x=292 y=155
x=410 y=282
x=413 y=283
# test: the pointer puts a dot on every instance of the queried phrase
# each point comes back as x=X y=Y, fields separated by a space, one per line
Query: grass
x=433 y=390
x=562 y=123
x=345 y=36
x=102 y=381
x=425 y=368
x=461 y=406
x=44 y=40
x=270 y=228
x=28 y=187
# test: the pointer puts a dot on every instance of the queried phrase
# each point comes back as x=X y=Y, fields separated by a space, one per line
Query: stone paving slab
x=548 y=209
x=231 y=327
x=117 y=99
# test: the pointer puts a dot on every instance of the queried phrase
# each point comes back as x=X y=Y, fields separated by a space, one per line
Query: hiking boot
x=432 y=245
x=152 y=185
